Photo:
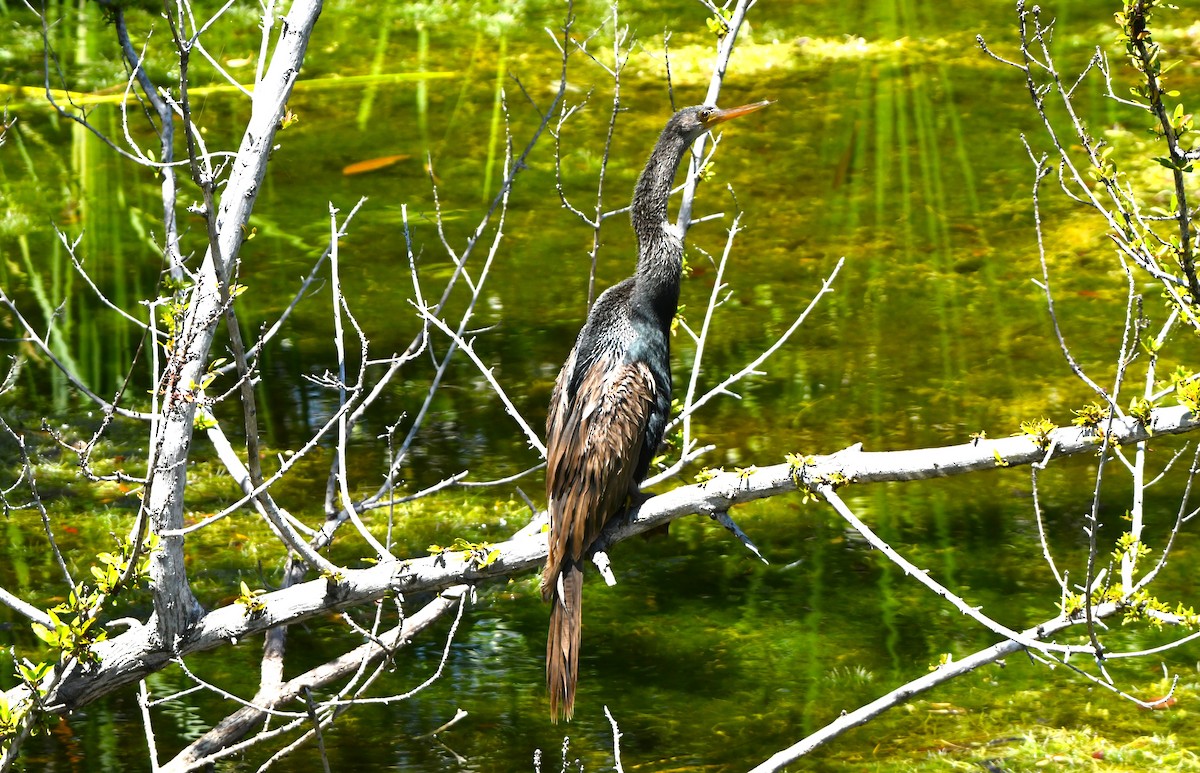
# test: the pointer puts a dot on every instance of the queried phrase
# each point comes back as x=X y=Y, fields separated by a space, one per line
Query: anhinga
x=612 y=398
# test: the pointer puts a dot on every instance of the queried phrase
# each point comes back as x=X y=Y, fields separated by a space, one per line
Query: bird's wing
x=593 y=444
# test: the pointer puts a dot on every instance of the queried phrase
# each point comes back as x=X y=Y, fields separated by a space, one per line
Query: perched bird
x=611 y=399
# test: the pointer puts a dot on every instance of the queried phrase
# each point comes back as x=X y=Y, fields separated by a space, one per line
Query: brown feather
x=562 y=645
x=592 y=449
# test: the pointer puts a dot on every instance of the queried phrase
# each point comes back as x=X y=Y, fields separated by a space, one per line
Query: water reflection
x=899 y=152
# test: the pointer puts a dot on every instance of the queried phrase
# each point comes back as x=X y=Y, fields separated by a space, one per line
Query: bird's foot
x=636 y=500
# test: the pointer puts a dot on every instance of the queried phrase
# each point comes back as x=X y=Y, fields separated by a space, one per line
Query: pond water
x=893 y=142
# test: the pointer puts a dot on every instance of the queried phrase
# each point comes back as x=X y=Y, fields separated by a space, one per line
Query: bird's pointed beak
x=721 y=116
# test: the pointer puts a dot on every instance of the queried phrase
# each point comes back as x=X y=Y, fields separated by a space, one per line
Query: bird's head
x=691 y=122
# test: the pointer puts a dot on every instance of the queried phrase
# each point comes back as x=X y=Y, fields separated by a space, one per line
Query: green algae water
x=893 y=142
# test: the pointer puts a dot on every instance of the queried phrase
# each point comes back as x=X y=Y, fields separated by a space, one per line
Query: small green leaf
x=45 y=634
x=32 y=672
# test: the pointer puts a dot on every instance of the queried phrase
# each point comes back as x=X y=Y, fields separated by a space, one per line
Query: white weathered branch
x=903 y=694
x=219 y=742
x=128 y=657
x=751 y=368
x=175 y=607
x=724 y=51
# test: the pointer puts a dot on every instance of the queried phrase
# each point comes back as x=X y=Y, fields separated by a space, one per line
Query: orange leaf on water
x=371 y=164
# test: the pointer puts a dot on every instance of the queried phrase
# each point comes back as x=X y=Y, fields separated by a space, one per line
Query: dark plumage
x=612 y=398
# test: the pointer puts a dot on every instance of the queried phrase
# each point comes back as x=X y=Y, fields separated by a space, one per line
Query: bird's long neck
x=660 y=248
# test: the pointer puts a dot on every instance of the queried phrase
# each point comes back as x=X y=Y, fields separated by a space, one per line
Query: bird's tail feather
x=562 y=645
